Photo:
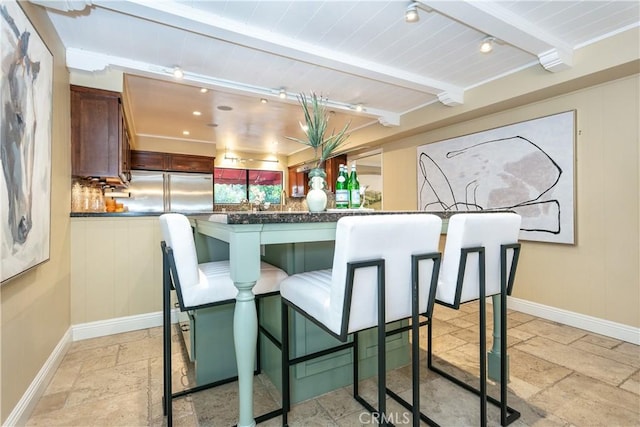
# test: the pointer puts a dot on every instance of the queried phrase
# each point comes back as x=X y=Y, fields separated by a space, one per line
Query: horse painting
x=18 y=146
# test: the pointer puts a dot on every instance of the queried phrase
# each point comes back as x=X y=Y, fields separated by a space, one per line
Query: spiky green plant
x=316 y=118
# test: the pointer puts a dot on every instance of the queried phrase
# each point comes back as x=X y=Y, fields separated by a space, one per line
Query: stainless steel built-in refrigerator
x=170 y=192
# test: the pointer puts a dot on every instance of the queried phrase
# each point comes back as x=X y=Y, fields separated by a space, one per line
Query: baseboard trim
x=119 y=325
x=23 y=409
x=21 y=412
x=592 y=324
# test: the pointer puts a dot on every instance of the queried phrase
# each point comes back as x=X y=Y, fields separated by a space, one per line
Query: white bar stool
x=480 y=259
x=380 y=262
x=199 y=286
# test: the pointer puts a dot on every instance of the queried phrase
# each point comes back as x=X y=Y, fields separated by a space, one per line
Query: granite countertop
x=127 y=214
x=271 y=217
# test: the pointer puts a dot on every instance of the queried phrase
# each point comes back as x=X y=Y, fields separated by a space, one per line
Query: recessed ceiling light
x=224 y=108
x=185 y=132
x=264 y=100
x=178 y=73
x=359 y=107
x=197 y=113
x=204 y=90
x=283 y=94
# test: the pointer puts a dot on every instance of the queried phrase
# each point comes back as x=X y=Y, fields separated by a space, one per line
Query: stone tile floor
x=559 y=376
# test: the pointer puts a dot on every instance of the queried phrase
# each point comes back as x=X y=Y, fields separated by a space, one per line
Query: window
x=236 y=185
x=268 y=183
x=229 y=185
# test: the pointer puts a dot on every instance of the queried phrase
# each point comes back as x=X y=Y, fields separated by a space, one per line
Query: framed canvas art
x=526 y=167
x=25 y=145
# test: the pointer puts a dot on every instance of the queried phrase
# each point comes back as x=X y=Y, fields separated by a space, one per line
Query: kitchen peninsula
x=296 y=242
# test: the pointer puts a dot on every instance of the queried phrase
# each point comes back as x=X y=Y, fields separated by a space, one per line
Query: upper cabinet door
x=189 y=163
x=332 y=169
x=157 y=161
x=149 y=160
x=97 y=134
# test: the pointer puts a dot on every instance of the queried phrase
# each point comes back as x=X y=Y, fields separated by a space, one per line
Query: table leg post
x=494 y=354
x=244 y=260
x=245 y=334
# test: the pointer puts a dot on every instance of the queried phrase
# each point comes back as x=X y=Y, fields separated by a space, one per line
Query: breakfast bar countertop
x=273 y=217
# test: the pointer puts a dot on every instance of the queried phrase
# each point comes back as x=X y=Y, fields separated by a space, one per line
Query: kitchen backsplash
x=293 y=204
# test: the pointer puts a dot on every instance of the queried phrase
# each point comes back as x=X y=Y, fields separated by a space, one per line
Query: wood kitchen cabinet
x=153 y=160
x=149 y=160
x=189 y=163
x=99 y=135
x=332 y=169
x=299 y=181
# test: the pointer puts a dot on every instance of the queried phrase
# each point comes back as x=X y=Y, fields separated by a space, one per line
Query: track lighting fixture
x=411 y=14
x=234 y=159
x=283 y=94
x=487 y=44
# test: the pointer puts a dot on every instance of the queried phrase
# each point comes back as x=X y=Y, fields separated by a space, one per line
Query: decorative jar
x=316 y=197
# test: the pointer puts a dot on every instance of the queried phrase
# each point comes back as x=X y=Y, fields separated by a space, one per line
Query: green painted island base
x=323 y=374
x=212 y=331
x=214 y=357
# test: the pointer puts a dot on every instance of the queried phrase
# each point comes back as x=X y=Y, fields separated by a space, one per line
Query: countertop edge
x=239 y=218
x=130 y=214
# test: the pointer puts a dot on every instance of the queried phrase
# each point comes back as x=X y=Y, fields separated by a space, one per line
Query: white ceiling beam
x=79 y=59
x=496 y=21
x=63 y=5
x=184 y=17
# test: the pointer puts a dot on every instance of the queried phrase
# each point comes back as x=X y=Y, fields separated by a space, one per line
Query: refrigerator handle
x=167 y=188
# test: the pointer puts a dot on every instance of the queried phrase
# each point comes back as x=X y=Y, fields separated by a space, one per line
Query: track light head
x=411 y=14
x=487 y=44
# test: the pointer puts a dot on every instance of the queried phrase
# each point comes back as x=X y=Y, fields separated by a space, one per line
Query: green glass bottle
x=342 y=192
x=354 y=188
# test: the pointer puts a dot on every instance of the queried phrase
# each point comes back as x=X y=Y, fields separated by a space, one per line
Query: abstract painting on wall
x=526 y=167
x=25 y=145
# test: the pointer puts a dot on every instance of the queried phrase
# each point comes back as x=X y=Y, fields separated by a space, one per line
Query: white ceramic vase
x=316 y=197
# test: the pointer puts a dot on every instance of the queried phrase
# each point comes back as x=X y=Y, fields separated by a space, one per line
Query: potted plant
x=315 y=128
